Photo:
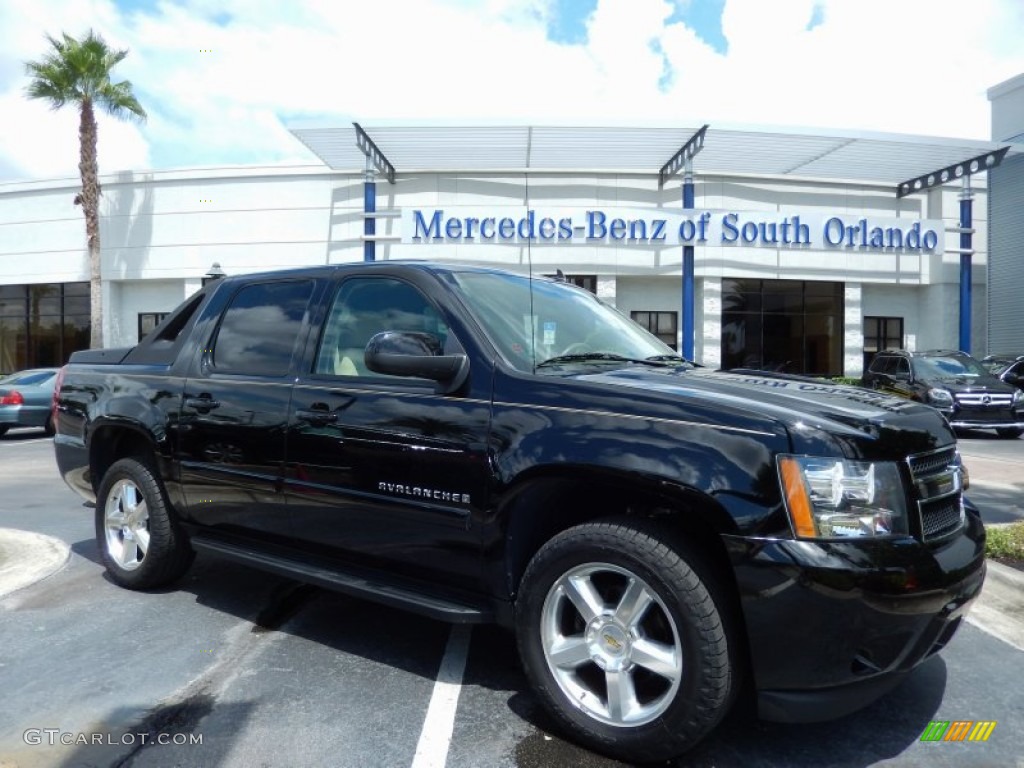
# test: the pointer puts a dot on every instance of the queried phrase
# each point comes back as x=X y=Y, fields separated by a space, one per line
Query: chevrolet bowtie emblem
x=614 y=644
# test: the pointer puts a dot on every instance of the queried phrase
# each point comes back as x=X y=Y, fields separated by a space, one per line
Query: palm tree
x=78 y=72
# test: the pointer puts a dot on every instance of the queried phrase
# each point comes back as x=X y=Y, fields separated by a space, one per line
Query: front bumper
x=958 y=422
x=834 y=625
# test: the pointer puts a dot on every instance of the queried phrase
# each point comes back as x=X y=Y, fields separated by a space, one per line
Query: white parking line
x=432 y=749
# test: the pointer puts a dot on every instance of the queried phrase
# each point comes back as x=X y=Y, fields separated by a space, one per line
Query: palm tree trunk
x=89 y=172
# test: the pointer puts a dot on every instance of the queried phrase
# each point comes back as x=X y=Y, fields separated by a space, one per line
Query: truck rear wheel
x=141 y=545
x=623 y=641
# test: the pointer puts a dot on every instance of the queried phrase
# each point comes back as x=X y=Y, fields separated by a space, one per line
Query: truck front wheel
x=623 y=640
x=141 y=545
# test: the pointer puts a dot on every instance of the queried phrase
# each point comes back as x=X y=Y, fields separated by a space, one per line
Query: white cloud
x=916 y=66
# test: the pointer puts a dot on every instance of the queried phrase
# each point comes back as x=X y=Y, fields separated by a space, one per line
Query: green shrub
x=1006 y=541
x=844 y=380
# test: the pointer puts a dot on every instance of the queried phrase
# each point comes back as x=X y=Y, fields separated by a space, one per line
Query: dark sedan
x=25 y=399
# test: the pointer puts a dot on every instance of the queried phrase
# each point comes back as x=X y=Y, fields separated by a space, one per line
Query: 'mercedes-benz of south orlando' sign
x=646 y=227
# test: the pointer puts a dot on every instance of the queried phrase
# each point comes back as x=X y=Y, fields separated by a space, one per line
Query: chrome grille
x=941 y=518
x=984 y=398
x=924 y=464
x=937 y=492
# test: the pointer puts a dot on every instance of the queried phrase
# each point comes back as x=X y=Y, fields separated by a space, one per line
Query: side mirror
x=408 y=353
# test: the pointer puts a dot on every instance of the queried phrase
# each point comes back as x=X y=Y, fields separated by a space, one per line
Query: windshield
x=559 y=320
x=948 y=367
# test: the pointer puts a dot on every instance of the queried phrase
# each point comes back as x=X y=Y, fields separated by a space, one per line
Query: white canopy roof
x=800 y=153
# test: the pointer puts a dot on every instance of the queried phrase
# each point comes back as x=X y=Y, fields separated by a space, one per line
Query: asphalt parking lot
x=267 y=672
x=996 y=467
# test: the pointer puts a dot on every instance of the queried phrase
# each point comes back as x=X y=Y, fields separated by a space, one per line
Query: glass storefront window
x=783 y=325
x=881 y=333
x=42 y=324
x=664 y=325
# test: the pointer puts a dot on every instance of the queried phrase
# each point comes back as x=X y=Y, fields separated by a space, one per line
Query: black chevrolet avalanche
x=480 y=446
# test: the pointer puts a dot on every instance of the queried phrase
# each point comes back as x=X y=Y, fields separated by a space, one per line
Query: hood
x=864 y=422
x=969 y=383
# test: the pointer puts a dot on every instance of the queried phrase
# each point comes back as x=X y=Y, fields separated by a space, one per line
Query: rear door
x=235 y=409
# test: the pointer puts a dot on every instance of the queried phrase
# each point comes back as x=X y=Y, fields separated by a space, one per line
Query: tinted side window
x=260 y=328
x=902 y=366
x=881 y=364
x=364 y=307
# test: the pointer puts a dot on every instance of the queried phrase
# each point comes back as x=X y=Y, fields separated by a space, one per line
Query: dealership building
x=1006 y=212
x=797 y=250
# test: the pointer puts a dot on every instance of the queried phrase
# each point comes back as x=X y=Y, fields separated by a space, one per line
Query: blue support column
x=369 y=207
x=966 y=246
x=688 y=289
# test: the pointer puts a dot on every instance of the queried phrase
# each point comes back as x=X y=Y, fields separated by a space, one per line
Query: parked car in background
x=1009 y=368
x=26 y=398
x=967 y=394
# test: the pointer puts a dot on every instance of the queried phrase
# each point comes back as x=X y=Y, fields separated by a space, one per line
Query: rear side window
x=883 y=364
x=261 y=327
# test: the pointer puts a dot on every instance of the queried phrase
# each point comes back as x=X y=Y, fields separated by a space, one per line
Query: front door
x=381 y=469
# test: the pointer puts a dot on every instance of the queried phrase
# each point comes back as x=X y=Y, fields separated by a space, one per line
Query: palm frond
x=118 y=100
x=77 y=70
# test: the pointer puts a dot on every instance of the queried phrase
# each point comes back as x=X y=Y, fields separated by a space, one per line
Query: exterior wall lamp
x=215 y=273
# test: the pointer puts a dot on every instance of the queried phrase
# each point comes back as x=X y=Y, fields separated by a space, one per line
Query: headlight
x=831 y=498
x=939 y=396
x=1018 y=395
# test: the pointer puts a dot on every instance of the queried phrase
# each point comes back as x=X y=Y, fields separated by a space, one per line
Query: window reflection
x=260 y=328
x=42 y=324
x=783 y=325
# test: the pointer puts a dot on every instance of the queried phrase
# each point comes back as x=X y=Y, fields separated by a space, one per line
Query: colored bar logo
x=958 y=730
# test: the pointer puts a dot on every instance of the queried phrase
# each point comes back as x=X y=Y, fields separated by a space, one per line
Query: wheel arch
x=109 y=442
x=548 y=502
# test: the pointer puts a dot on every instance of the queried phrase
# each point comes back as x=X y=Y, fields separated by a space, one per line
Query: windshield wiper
x=672 y=359
x=587 y=357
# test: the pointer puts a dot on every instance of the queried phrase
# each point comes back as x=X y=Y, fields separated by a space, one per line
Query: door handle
x=316 y=417
x=203 y=403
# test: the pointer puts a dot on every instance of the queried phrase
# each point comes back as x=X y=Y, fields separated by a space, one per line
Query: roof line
x=826 y=153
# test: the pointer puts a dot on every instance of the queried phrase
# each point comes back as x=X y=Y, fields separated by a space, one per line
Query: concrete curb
x=26 y=558
x=999 y=610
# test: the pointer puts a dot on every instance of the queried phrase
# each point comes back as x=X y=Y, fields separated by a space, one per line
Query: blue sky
x=569 y=17
x=222 y=82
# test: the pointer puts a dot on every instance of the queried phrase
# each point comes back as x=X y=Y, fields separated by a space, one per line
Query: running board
x=351 y=581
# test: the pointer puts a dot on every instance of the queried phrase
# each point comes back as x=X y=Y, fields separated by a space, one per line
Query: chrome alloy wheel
x=611 y=644
x=126 y=519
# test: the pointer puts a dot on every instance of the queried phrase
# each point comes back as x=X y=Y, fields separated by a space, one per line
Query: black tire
x=1010 y=433
x=658 y=718
x=48 y=426
x=132 y=508
x=3 y=429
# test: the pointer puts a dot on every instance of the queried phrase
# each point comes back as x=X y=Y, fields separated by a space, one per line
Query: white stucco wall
x=161 y=231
